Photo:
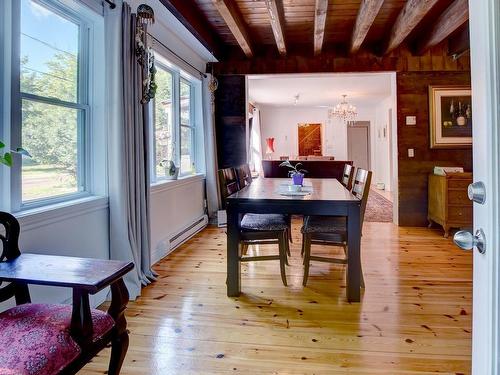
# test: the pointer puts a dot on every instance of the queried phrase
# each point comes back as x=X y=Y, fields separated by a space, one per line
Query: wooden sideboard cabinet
x=448 y=203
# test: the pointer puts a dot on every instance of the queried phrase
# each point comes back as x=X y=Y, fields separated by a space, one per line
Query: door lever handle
x=467 y=241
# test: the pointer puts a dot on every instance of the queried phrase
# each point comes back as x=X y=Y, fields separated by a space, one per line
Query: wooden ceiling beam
x=449 y=21
x=409 y=17
x=275 y=10
x=231 y=14
x=459 y=42
x=187 y=12
x=366 y=15
x=320 y=12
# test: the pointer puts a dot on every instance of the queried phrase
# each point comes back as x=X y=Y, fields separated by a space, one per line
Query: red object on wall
x=270 y=145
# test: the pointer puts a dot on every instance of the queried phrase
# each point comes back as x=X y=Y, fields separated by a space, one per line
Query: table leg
x=233 y=254
x=354 y=259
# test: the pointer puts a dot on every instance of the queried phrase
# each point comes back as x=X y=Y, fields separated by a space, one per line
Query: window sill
x=166 y=185
x=41 y=216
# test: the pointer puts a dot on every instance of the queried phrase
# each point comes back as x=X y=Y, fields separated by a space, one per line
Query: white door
x=358 y=144
x=485 y=47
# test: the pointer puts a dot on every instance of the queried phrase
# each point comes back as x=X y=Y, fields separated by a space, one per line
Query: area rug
x=378 y=208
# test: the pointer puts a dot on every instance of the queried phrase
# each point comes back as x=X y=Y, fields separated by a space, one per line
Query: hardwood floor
x=414 y=318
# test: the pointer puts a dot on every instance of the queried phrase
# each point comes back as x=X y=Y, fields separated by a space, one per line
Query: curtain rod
x=180 y=58
x=111 y=3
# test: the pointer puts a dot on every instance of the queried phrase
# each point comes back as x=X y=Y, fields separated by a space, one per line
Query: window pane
x=185 y=103
x=164 y=134
x=187 y=159
x=50 y=133
x=49 y=53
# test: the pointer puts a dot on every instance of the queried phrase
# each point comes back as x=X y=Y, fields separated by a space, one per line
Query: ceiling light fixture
x=296 y=99
x=344 y=111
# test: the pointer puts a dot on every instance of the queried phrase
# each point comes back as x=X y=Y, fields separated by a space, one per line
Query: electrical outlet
x=411 y=153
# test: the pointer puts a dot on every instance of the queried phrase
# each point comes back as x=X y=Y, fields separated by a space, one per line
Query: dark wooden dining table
x=264 y=196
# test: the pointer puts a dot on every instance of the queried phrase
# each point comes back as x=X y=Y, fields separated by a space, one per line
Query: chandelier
x=344 y=111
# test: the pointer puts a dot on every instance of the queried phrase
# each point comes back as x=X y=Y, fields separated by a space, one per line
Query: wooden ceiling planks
x=376 y=26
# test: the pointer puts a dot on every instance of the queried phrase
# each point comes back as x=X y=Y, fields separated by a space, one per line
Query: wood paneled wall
x=400 y=60
x=230 y=121
x=413 y=100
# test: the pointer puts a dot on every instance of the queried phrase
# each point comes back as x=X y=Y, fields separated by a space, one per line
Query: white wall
x=381 y=143
x=175 y=205
x=281 y=123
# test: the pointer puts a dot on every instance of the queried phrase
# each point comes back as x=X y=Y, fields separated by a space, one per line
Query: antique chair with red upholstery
x=43 y=339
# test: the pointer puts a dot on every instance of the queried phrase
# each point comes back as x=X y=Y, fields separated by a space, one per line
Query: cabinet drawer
x=459 y=197
x=460 y=214
x=458 y=183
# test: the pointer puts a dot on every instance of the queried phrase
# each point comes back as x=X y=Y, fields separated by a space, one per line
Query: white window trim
x=166 y=185
x=95 y=134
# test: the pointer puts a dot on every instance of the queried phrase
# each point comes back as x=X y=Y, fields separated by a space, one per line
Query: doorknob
x=466 y=241
x=477 y=192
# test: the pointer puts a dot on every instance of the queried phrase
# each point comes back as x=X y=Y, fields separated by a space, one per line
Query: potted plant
x=6 y=157
x=295 y=172
x=171 y=171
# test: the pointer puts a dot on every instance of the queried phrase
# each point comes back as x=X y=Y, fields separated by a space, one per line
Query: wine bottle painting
x=450 y=116
x=456 y=116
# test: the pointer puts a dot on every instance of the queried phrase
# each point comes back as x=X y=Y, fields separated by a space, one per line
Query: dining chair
x=332 y=230
x=347 y=176
x=258 y=229
x=244 y=175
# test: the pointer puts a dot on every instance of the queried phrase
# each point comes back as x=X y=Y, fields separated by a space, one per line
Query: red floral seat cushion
x=36 y=341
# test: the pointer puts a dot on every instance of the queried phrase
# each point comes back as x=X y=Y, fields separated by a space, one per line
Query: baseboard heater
x=188 y=232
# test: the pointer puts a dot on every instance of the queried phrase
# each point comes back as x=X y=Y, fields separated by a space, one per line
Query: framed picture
x=450 y=111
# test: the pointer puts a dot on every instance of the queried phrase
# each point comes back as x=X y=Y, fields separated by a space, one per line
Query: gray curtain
x=128 y=169
x=211 y=178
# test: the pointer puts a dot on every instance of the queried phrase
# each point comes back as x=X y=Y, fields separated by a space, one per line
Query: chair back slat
x=347 y=176
x=9 y=239
x=244 y=175
x=361 y=188
x=228 y=184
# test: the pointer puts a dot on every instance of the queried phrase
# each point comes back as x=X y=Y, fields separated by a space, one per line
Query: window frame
x=178 y=76
x=191 y=126
x=82 y=105
x=175 y=94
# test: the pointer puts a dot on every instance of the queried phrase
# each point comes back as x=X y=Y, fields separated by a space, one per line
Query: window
x=187 y=129
x=174 y=120
x=54 y=109
x=163 y=121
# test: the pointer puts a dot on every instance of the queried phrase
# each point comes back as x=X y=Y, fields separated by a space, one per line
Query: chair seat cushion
x=264 y=222
x=324 y=224
x=36 y=340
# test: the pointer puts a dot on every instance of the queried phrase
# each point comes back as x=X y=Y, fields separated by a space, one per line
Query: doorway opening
x=297 y=111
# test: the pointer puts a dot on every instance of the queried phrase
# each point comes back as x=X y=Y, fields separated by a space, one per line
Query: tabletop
x=327 y=190
x=88 y=274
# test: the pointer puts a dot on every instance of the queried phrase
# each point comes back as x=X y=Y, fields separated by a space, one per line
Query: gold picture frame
x=450 y=116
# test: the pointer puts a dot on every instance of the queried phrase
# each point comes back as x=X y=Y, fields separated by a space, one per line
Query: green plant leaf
x=6 y=159
x=2 y=145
